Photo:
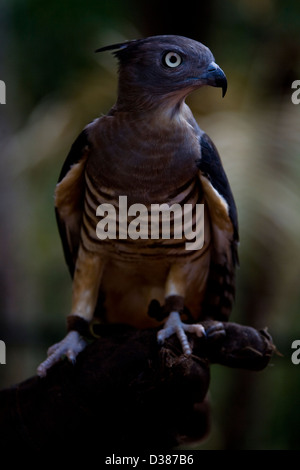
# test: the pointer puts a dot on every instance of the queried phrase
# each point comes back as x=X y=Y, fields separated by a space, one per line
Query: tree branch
x=125 y=392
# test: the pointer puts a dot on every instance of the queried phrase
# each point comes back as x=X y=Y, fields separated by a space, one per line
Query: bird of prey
x=149 y=148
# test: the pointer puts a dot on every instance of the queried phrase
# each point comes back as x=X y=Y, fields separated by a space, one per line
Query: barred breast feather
x=168 y=167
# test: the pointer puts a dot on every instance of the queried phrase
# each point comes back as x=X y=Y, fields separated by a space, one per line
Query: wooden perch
x=125 y=392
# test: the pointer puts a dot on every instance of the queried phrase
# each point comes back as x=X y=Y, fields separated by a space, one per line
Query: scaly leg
x=174 y=303
x=86 y=282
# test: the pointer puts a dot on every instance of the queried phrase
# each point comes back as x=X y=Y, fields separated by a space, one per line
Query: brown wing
x=223 y=216
x=69 y=198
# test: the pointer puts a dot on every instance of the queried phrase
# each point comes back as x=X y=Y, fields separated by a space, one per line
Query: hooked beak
x=214 y=76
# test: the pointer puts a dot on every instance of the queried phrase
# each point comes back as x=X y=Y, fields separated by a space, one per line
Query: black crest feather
x=111 y=47
x=122 y=50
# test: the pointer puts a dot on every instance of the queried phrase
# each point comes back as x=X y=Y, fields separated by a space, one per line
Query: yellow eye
x=172 y=59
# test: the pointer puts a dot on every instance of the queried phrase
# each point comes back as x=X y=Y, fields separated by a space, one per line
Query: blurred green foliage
x=56 y=85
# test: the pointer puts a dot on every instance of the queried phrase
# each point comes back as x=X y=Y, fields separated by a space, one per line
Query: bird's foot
x=70 y=346
x=174 y=325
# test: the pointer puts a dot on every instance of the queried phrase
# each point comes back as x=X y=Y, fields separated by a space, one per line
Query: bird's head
x=158 y=67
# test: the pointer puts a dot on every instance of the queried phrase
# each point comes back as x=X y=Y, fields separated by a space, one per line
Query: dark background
x=56 y=85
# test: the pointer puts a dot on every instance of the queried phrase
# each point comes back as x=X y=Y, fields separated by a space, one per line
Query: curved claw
x=216 y=330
